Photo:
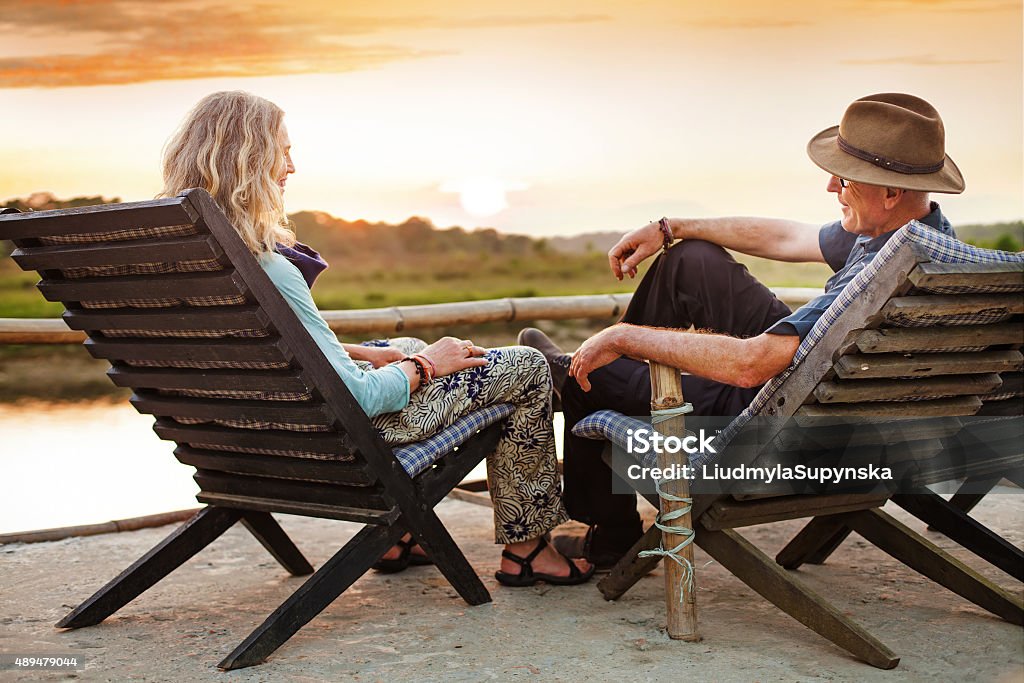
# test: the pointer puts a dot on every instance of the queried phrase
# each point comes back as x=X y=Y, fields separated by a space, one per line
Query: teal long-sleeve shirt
x=384 y=390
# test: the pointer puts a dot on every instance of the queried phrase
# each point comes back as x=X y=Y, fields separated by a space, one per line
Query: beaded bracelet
x=428 y=361
x=666 y=232
x=423 y=369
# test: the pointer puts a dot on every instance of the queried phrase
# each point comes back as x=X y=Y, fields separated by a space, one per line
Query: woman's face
x=286 y=145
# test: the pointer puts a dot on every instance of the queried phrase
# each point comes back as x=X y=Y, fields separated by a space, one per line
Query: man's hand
x=633 y=248
x=596 y=352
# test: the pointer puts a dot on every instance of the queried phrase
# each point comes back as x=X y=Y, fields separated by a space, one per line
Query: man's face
x=863 y=206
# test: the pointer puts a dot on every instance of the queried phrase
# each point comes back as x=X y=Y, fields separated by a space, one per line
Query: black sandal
x=527 y=577
x=404 y=559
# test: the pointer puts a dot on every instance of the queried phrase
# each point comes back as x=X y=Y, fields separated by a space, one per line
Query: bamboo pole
x=681 y=603
x=131 y=524
x=398 y=319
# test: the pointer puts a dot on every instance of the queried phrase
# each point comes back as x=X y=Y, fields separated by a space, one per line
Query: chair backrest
x=932 y=328
x=168 y=293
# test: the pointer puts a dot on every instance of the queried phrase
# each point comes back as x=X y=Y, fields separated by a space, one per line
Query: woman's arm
x=385 y=390
x=378 y=355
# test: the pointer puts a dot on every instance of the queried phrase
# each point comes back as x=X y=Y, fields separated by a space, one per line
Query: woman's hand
x=451 y=355
x=630 y=251
x=378 y=356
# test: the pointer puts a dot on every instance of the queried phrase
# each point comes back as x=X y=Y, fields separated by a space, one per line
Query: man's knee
x=690 y=251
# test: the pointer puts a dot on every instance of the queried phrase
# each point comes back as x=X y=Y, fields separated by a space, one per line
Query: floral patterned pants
x=522 y=472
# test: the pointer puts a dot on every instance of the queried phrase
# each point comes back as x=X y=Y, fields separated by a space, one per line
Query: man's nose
x=833 y=185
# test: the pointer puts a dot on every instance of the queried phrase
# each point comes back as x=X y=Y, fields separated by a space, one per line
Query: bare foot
x=548 y=561
x=396 y=550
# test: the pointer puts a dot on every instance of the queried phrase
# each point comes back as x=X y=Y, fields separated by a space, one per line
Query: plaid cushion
x=418 y=457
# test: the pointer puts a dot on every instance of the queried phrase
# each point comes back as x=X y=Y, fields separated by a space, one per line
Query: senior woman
x=235 y=145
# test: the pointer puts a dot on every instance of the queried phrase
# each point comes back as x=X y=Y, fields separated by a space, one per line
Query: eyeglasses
x=843 y=182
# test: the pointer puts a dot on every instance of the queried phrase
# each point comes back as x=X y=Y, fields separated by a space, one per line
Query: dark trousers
x=696 y=283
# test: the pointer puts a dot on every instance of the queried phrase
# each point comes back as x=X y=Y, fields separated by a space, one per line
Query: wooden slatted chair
x=169 y=294
x=928 y=330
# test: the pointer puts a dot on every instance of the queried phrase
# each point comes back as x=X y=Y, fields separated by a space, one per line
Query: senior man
x=885 y=156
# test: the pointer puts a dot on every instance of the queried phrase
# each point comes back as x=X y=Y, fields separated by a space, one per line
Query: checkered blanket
x=932 y=245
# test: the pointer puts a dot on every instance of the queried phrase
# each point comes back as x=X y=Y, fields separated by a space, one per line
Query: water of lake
x=65 y=465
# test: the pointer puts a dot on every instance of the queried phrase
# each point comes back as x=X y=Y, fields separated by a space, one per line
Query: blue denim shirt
x=847 y=254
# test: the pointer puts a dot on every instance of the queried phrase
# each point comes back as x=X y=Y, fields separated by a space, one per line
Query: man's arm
x=772 y=238
x=740 y=362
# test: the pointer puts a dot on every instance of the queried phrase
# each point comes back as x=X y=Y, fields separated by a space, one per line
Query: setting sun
x=482 y=196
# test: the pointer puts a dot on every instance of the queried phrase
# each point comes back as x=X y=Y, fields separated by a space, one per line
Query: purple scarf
x=306 y=259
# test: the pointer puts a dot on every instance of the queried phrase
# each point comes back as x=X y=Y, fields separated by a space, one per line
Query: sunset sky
x=580 y=116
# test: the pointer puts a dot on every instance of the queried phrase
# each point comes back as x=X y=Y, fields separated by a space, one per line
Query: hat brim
x=824 y=151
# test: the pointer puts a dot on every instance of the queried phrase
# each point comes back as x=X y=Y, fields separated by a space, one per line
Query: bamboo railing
x=404 y=318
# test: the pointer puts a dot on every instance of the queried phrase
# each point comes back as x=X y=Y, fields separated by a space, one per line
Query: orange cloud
x=142 y=41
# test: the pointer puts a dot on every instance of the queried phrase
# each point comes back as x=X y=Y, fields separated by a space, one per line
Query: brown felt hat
x=890 y=139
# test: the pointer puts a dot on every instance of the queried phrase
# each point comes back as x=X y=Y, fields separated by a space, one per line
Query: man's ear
x=893 y=195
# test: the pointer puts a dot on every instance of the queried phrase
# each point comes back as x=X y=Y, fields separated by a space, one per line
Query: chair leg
x=757 y=570
x=431 y=534
x=631 y=567
x=268 y=532
x=958 y=526
x=319 y=590
x=817 y=534
x=168 y=555
x=964 y=501
x=925 y=557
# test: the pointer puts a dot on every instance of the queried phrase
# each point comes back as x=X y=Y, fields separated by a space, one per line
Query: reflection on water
x=65 y=465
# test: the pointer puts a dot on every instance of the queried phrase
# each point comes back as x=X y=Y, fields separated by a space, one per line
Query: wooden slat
x=212 y=318
x=327 y=443
x=291 y=412
x=101 y=218
x=866 y=366
x=275 y=465
x=1009 y=408
x=902 y=339
x=168 y=286
x=262 y=350
x=867 y=390
x=263 y=504
x=363 y=497
x=967 y=274
x=952 y=407
x=824 y=433
x=930 y=306
x=213 y=380
x=1013 y=383
x=729 y=514
x=199 y=247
